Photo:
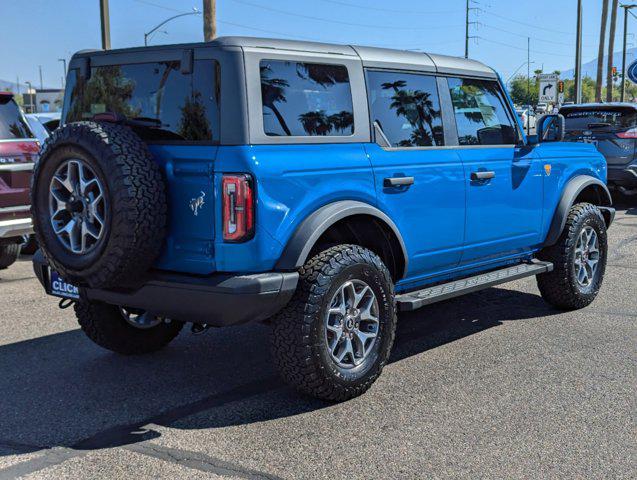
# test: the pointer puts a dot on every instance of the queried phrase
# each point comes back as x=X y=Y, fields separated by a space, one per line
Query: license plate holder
x=58 y=287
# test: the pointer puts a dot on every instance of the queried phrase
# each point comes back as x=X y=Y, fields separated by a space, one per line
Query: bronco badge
x=197 y=203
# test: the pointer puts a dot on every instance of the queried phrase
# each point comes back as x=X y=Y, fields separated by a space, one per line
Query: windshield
x=12 y=123
x=615 y=119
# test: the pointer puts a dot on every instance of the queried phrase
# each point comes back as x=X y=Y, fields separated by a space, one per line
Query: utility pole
x=210 y=20
x=105 y=21
x=17 y=83
x=623 y=89
x=41 y=83
x=611 y=52
x=31 y=95
x=578 y=55
x=528 y=69
x=600 y=53
x=466 y=32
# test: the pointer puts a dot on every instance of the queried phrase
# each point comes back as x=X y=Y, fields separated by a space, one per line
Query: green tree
x=194 y=123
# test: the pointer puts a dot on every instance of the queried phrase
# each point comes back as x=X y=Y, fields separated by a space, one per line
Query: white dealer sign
x=548 y=87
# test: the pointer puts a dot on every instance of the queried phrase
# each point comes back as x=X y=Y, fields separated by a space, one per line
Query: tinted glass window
x=12 y=123
x=613 y=119
x=306 y=99
x=158 y=101
x=481 y=114
x=407 y=108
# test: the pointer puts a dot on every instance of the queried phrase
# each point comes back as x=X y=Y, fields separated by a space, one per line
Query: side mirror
x=550 y=128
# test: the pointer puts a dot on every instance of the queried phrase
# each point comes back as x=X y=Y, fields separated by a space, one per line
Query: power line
x=536 y=39
x=524 y=49
x=339 y=22
x=388 y=10
x=537 y=27
x=152 y=4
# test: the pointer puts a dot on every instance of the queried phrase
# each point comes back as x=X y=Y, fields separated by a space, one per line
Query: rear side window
x=306 y=99
x=158 y=101
x=12 y=123
x=606 y=118
x=407 y=108
x=481 y=114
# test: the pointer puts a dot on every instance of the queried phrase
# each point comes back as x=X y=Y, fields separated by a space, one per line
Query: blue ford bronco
x=318 y=188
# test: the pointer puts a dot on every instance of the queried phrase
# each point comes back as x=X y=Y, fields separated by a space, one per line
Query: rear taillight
x=632 y=133
x=238 y=207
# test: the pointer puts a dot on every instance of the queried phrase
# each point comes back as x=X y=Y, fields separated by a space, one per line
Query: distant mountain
x=590 y=68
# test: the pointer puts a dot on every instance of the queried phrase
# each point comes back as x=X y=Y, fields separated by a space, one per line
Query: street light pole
x=623 y=89
x=31 y=102
x=63 y=60
x=153 y=30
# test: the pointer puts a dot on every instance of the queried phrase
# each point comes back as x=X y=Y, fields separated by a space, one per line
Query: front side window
x=481 y=114
x=305 y=99
x=406 y=107
x=12 y=123
x=157 y=101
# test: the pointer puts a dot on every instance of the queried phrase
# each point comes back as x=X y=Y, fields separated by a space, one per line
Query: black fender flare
x=310 y=230
x=573 y=188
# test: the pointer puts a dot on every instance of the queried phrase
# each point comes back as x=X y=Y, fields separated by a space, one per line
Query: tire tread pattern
x=137 y=198
x=559 y=287
x=105 y=326
x=293 y=351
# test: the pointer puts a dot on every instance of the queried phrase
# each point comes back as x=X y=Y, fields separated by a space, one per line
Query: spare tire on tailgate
x=98 y=204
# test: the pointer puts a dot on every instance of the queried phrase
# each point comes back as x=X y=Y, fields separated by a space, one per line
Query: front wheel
x=334 y=337
x=579 y=260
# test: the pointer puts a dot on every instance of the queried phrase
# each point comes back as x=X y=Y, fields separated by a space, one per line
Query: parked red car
x=18 y=152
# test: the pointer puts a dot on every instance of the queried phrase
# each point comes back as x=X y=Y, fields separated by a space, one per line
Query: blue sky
x=38 y=32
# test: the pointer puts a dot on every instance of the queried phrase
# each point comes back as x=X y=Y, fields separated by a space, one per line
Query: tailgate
x=16 y=168
x=188 y=171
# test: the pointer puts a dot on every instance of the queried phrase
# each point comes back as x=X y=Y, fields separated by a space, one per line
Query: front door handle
x=475 y=176
x=398 y=181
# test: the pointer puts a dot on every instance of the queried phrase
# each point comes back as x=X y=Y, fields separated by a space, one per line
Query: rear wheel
x=579 y=260
x=334 y=337
x=8 y=255
x=125 y=331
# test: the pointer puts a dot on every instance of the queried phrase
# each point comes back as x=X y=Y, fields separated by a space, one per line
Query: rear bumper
x=11 y=227
x=625 y=176
x=217 y=300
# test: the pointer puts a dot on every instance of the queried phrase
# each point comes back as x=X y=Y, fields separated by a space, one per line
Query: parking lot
x=492 y=385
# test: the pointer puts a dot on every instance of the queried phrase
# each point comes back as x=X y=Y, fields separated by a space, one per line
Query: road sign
x=548 y=87
x=631 y=71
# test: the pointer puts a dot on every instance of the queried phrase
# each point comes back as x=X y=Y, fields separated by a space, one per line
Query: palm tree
x=611 y=47
x=272 y=92
x=600 y=53
x=315 y=123
x=341 y=121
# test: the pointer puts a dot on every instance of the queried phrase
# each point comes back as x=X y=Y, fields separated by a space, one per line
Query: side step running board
x=413 y=300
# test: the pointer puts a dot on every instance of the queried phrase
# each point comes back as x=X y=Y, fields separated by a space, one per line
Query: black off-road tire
x=105 y=326
x=136 y=211
x=560 y=287
x=9 y=255
x=297 y=336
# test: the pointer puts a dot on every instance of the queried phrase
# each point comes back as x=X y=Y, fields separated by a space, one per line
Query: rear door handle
x=482 y=176
x=398 y=181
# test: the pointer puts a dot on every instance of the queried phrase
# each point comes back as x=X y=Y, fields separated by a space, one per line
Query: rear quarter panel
x=291 y=182
x=563 y=161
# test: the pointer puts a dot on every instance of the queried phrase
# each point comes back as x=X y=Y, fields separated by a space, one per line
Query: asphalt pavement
x=495 y=384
